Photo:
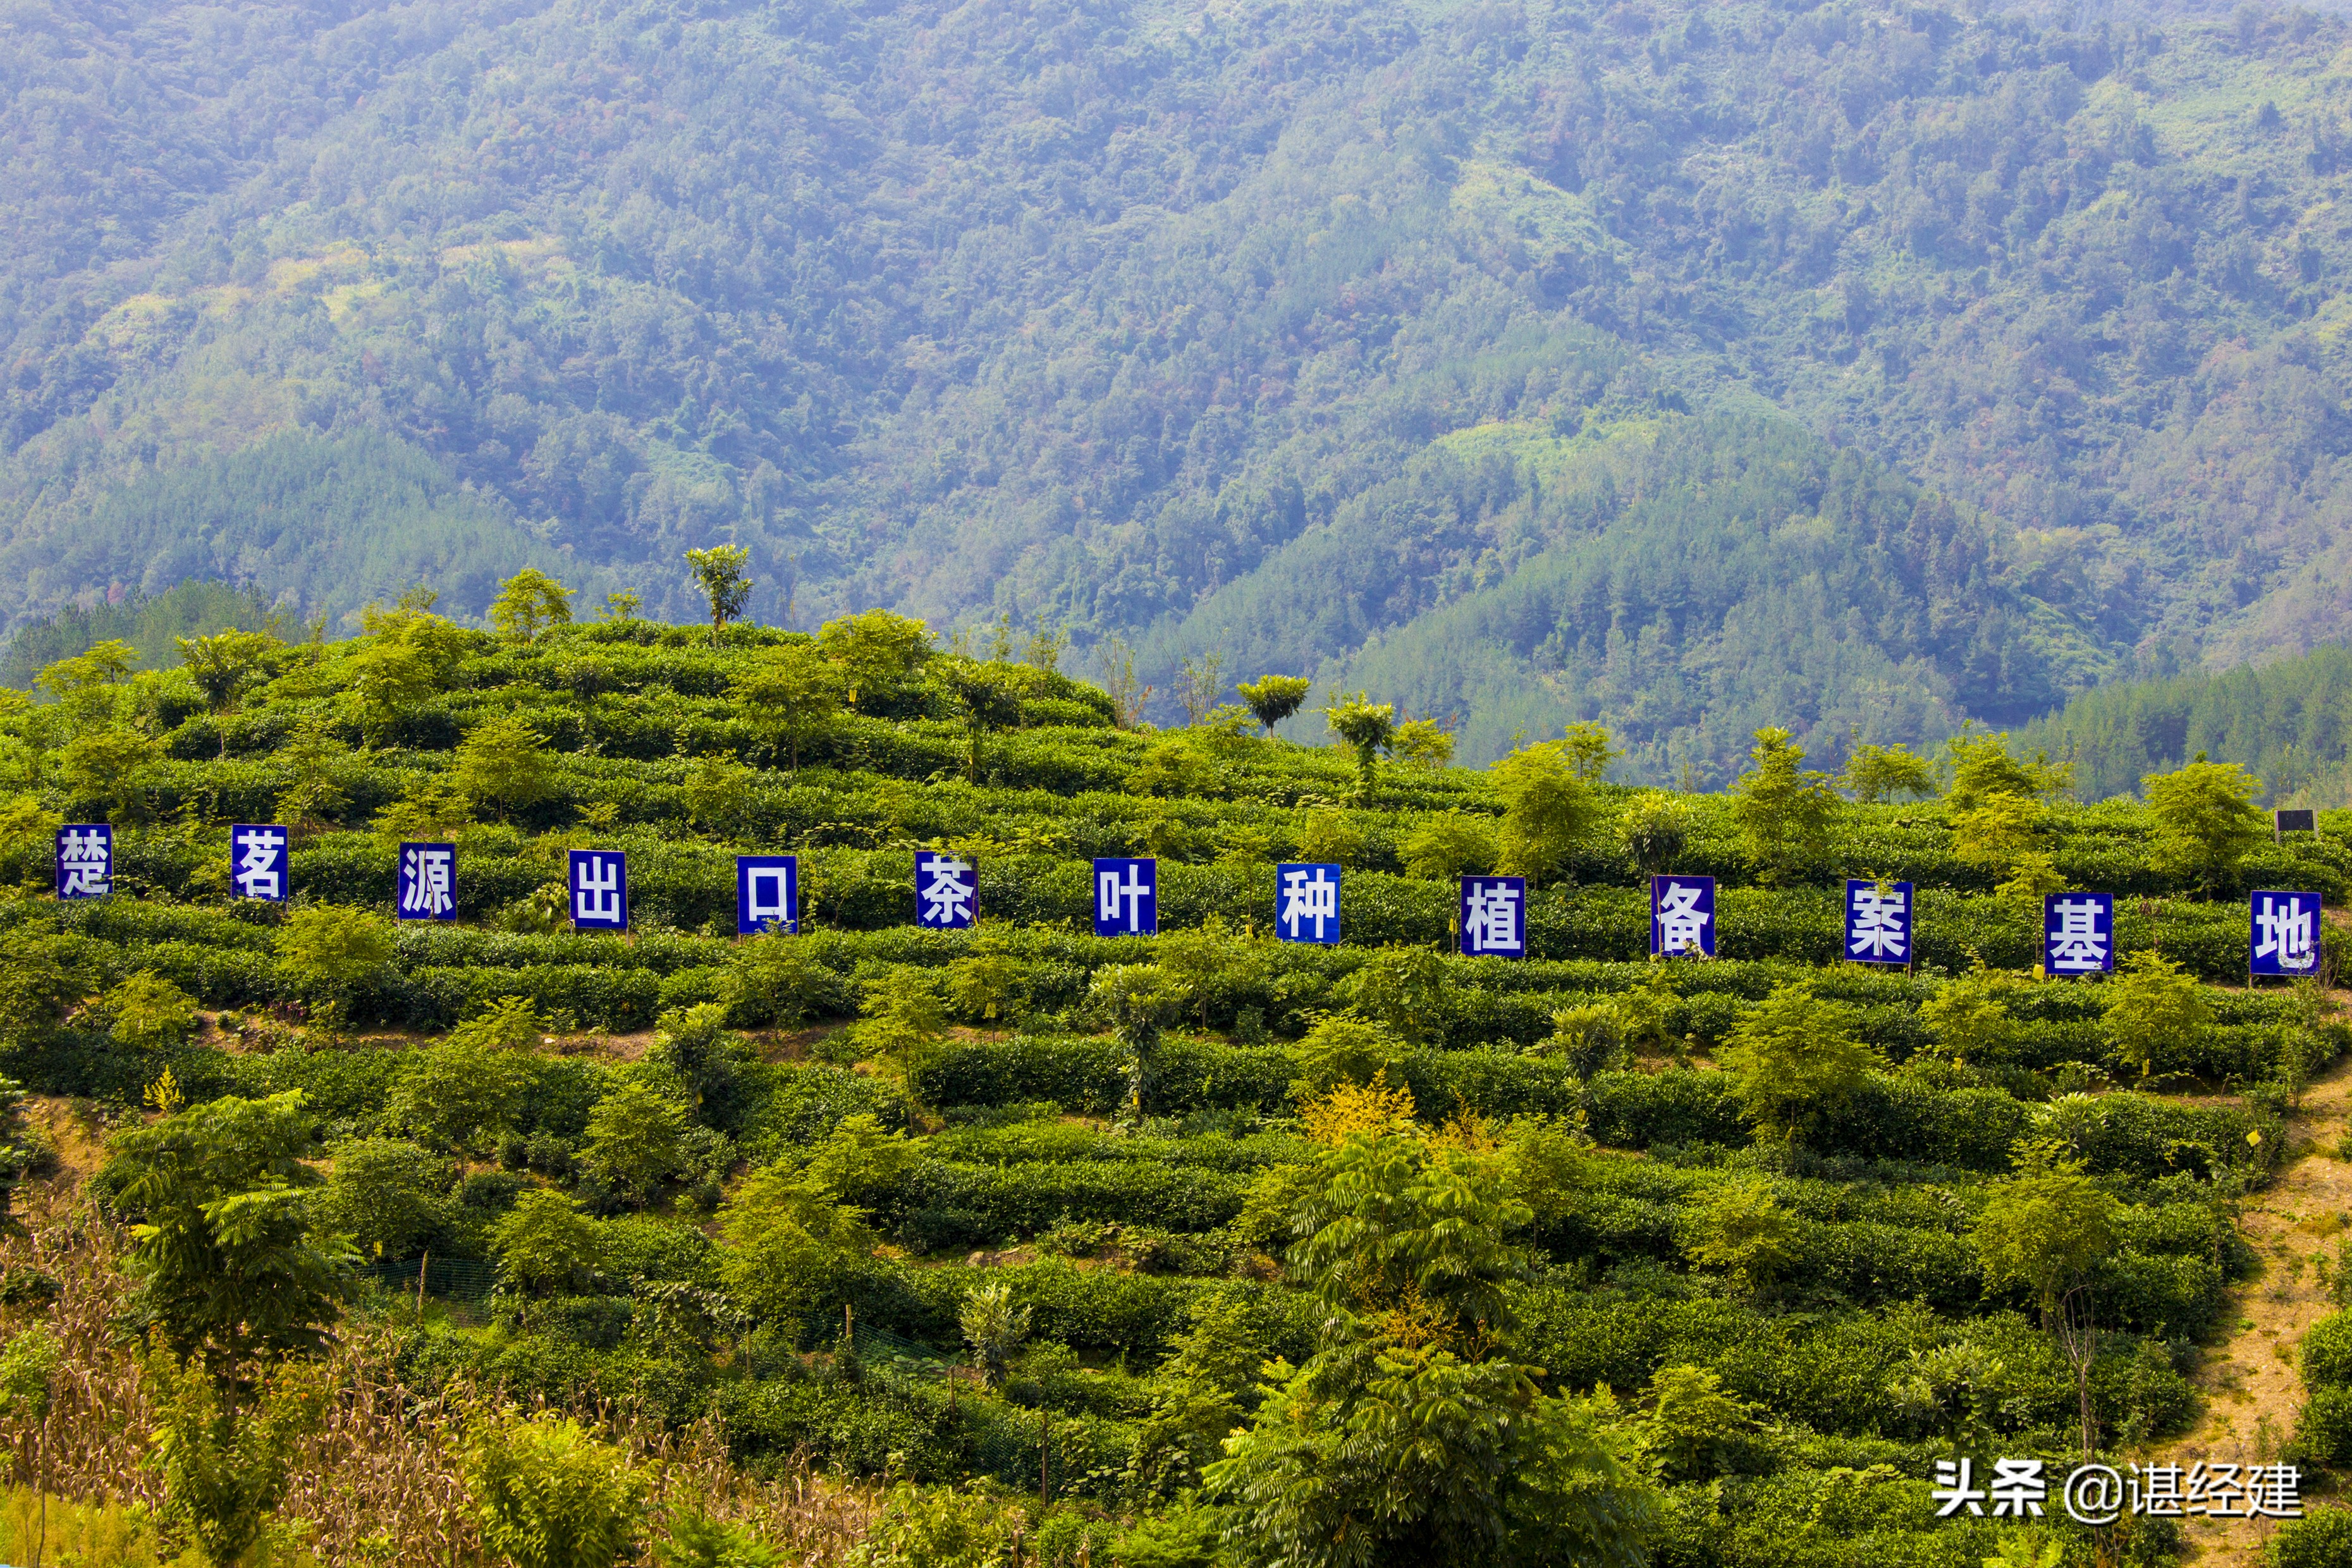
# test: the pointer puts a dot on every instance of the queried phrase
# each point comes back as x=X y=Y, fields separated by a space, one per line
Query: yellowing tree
x=2206 y=819
x=528 y=603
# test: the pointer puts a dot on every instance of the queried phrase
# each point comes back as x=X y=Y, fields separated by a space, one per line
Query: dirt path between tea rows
x=2253 y=1391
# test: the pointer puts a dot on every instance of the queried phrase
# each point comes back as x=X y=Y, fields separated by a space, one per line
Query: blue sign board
x=85 y=860
x=1127 y=897
x=947 y=891
x=600 y=890
x=2282 y=933
x=1306 y=902
x=1495 y=916
x=427 y=888
x=258 y=861
x=2078 y=934
x=1879 y=920
x=766 y=893
x=1682 y=917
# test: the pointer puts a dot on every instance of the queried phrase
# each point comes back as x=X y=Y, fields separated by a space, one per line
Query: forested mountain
x=1863 y=367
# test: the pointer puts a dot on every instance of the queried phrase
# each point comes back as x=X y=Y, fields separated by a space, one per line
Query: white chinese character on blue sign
x=2285 y=937
x=766 y=893
x=600 y=890
x=1682 y=917
x=1127 y=897
x=1306 y=902
x=947 y=891
x=1495 y=916
x=2078 y=934
x=85 y=860
x=428 y=882
x=1877 y=921
x=258 y=857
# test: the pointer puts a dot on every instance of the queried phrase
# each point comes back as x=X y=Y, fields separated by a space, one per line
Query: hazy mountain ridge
x=1175 y=326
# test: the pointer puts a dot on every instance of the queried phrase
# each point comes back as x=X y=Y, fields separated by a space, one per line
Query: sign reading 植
x=1495 y=917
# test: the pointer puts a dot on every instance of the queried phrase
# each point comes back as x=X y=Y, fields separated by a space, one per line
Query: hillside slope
x=1251 y=330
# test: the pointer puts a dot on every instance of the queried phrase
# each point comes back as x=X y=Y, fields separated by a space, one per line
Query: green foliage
x=719 y=571
x=2206 y=821
x=148 y=1012
x=792 y=692
x=1694 y=1430
x=550 y=1495
x=389 y=1197
x=503 y=762
x=2155 y=1012
x=877 y=653
x=1653 y=830
x=1784 y=810
x=1742 y=1229
x=226 y=1250
x=333 y=951
x=1797 y=1059
x=1448 y=844
x=544 y=1243
x=992 y=1329
x=1548 y=809
x=1875 y=774
x=109 y=768
x=633 y=1139
x=1274 y=698
x=697 y=1541
x=1970 y=1014
x=776 y=979
x=319 y=763
x=528 y=603
x=227 y=664
x=2327 y=1352
x=1340 y=1049
x=1368 y=728
x=2321 y=1538
x=2045 y=1228
x=224 y=1467
x=29 y=1368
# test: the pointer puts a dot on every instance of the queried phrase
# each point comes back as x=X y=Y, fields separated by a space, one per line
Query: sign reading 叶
x=766 y=893
x=428 y=882
x=2282 y=933
x=947 y=891
x=1682 y=917
x=1495 y=917
x=2078 y=934
x=257 y=860
x=1306 y=902
x=1127 y=896
x=85 y=860
x=1877 y=920
x=600 y=890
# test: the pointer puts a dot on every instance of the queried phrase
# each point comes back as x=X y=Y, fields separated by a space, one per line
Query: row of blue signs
x=2078 y=928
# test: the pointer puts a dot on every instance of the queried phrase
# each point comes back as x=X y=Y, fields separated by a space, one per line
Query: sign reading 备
x=2078 y=934
x=428 y=882
x=1682 y=917
x=1495 y=916
x=2283 y=933
x=600 y=890
x=766 y=893
x=85 y=860
x=947 y=891
x=1306 y=902
x=1877 y=921
x=258 y=858
x=1127 y=897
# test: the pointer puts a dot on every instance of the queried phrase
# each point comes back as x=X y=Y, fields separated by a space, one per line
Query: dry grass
x=382 y=1480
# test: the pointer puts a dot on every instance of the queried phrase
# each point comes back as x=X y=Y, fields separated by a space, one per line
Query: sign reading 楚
x=2078 y=934
x=257 y=855
x=1877 y=921
x=1682 y=917
x=766 y=893
x=428 y=882
x=947 y=891
x=1306 y=902
x=1127 y=897
x=1495 y=917
x=600 y=890
x=2285 y=937
x=85 y=860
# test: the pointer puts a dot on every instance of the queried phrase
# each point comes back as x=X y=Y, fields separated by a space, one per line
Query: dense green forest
x=492 y=1241
x=1862 y=367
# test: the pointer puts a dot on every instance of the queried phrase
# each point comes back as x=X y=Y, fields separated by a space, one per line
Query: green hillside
x=977 y=1242
x=1868 y=366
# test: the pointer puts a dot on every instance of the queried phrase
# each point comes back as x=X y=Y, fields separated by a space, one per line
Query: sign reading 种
x=1306 y=902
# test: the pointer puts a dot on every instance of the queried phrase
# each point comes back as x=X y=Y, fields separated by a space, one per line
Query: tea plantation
x=1198 y=1246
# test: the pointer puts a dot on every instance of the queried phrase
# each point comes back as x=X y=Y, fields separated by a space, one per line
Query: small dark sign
x=2302 y=819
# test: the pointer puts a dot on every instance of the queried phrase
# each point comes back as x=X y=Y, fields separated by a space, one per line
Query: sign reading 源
x=428 y=888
